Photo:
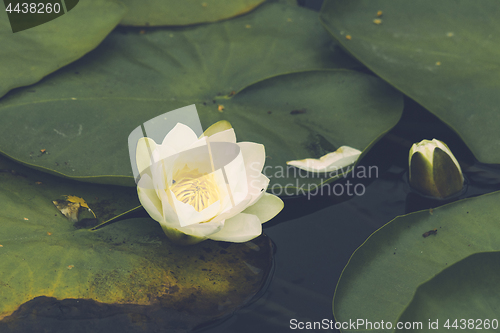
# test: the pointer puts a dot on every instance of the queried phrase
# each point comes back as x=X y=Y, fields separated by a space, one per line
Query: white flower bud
x=434 y=171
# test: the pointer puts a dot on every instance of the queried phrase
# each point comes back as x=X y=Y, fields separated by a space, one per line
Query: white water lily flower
x=342 y=157
x=205 y=188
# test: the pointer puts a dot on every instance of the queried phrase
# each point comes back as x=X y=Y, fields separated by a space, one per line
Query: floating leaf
x=186 y=12
x=71 y=207
x=133 y=77
x=29 y=55
x=129 y=267
x=472 y=299
x=443 y=54
x=384 y=274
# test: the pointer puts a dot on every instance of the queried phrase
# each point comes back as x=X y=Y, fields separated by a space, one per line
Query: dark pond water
x=315 y=238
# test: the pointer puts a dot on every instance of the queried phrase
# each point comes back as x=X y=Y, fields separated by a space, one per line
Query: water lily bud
x=434 y=170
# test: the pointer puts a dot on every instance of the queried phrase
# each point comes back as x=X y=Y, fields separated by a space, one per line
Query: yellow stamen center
x=197 y=189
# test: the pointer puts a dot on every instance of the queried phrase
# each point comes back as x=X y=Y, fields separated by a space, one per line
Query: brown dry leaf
x=70 y=207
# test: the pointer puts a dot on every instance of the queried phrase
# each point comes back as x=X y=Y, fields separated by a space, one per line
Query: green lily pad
x=186 y=12
x=83 y=114
x=310 y=114
x=472 y=299
x=129 y=267
x=28 y=56
x=340 y=108
x=443 y=54
x=383 y=275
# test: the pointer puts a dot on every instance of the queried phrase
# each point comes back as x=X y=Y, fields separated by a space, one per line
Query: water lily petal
x=238 y=229
x=254 y=155
x=257 y=187
x=233 y=211
x=170 y=218
x=149 y=199
x=162 y=152
x=224 y=136
x=181 y=238
x=180 y=138
x=161 y=174
x=266 y=208
x=199 y=143
x=342 y=157
x=202 y=229
x=236 y=177
x=145 y=148
x=219 y=126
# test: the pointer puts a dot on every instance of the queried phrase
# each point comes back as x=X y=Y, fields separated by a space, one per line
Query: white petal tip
x=342 y=157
